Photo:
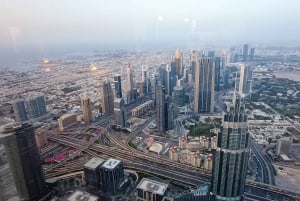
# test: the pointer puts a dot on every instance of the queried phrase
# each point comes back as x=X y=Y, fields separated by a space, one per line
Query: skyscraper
x=19 y=110
x=107 y=97
x=217 y=73
x=245 y=52
x=252 y=50
x=231 y=156
x=86 y=108
x=24 y=160
x=112 y=175
x=118 y=86
x=129 y=85
x=178 y=63
x=119 y=112
x=204 y=85
x=161 y=108
x=170 y=81
x=211 y=53
x=36 y=106
x=245 y=79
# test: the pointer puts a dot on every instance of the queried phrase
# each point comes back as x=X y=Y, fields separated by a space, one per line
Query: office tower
x=242 y=79
x=112 y=175
x=245 y=79
x=178 y=96
x=211 y=53
x=150 y=190
x=245 y=52
x=86 y=108
x=170 y=79
x=36 y=107
x=120 y=113
x=170 y=113
x=252 y=50
x=204 y=86
x=161 y=108
x=217 y=73
x=19 y=110
x=146 y=80
x=195 y=56
x=107 y=97
x=129 y=85
x=231 y=155
x=118 y=86
x=178 y=63
x=24 y=160
x=92 y=173
x=141 y=88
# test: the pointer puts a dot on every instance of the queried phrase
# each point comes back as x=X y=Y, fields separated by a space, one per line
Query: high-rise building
x=146 y=80
x=245 y=52
x=150 y=190
x=171 y=78
x=170 y=113
x=118 y=86
x=92 y=173
x=204 y=85
x=86 y=108
x=178 y=96
x=178 y=63
x=36 y=106
x=195 y=56
x=24 y=160
x=217 y=73
x=211 y=53
x=129 y=85
x=161 y=108
x=231 y=155
x=245 y=79
x=19 y=110
x=252 y=52
x=112 y=175
x=107 y=97
x=120 y=112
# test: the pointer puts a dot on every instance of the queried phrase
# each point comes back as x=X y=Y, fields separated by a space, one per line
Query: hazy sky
x=44 y=23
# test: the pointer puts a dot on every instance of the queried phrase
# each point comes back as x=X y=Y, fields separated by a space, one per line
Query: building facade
x=231 y=156
x=204 y=92
x=24 y=160
x=107 y=97
x=86 y=108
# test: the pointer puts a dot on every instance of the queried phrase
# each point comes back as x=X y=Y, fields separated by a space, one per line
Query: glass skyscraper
x=231 y=156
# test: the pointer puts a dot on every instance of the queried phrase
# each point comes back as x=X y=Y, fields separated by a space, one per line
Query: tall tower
x=204 y=93
x=86 y=108
x=245 y=52
x=252 y=51
x=242 y=79
x=107 y=97
x=178 y=63
x=119 y=112
x=19 y=110
x=231 y=156
x=118 y=86
x=217 y=73
x=24 y=160
x=36 y=106
x=161 y=108
x=129 y=85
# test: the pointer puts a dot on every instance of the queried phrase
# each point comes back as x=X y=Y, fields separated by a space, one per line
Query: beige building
x=40 y=136
x=65 y=121
x=86 y=108
x=173 y=153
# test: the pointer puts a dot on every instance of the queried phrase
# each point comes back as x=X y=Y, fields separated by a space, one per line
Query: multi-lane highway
x=180 y=172
x=267 y=171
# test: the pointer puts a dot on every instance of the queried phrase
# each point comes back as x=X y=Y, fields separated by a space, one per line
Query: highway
x=267 y=168
x=161 y=167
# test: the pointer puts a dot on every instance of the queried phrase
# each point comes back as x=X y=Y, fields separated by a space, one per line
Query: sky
x=42 y=25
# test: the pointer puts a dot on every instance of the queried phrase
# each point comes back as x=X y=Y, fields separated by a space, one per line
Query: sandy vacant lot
x=292 y=75
x=291 y=181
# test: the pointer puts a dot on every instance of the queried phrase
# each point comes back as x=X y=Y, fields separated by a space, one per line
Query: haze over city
x=42 y=28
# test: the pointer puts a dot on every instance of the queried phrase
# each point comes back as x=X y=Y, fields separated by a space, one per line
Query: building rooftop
x=111 y=163
x=81 y=196
x=93 y=163
x=152 y=186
